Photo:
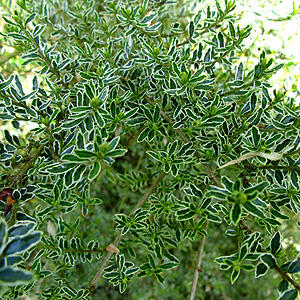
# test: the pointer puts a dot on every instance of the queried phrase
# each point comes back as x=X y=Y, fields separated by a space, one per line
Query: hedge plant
x=140 y=139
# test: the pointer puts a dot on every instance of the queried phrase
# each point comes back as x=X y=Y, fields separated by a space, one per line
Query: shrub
x=148 y=139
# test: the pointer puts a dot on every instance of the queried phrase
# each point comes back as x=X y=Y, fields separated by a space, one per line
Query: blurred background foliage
x=275 y=29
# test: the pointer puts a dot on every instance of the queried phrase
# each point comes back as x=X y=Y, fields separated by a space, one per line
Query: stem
x=283 y=274
x=224 y=54
x=198 y=268
x=206 y=29
x=117 y=240
x=287 y=277
x=20 y=104
x=18 y=178
x=76 y=250
x=150 y=191
x=44 y=57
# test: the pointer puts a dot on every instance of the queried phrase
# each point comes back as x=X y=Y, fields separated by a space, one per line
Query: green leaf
x=13 y=260
x=289 y=295
x=3 y=233
x=168 y=266
x=13 y=276
x=154 y=155
x=151 y=261
x=7 y=83
x=256 y=188
x=221 y=39
x=269 y=260
x=283 y=286
x=116 y=153
x=20 y=229
x=72 y=158
x=78 y=173
x=175 y=68
x=71 y=123
x=103 y=95
x=113 y=143
x=99 y=120
x=191 y=29
x=95 y=171
x=235 y=213
x=60 y=168
x=261 y=270
x=89 y=90
x=142 y=136
x=80 y=109
x=255 y=136
x=291 y=266
x=82 y=153
x=227 y=183
x=30 y=18
x=234 y=275
x=156 y=115
x=253 y=209
x=18 y=36
x=231 y=29
x=294 y=267
x=275 y=243
x=216 y=192
x=22 y=243
x=147 y=113
x=159 y=278
x=185 y=214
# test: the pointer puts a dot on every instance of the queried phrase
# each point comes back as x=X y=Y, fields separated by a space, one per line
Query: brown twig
x=45 y=58
x=19 y=177
x=198 y=267
x=285 y=276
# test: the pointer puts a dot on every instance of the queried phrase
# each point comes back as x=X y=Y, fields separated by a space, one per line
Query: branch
x=208 y=28
x=117 y=240
x=283 y=274
x=198 y=268
x=44 y=57
x=18 y=178
x=287 y=277
x=20 y=104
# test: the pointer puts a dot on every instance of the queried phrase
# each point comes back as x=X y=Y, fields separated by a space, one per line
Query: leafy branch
x=117 y=240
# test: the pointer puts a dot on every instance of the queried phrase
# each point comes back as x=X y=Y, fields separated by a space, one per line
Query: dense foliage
x=153 y=156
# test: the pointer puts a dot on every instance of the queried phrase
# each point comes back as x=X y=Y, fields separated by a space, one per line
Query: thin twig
x=198 y=268
x=287 y=277
x=207 y=28
x=44 y=57
x=281 y=272
x=19 y=177
x=117 y=240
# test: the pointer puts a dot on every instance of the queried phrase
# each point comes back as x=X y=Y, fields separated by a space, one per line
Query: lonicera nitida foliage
x=142 y=111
